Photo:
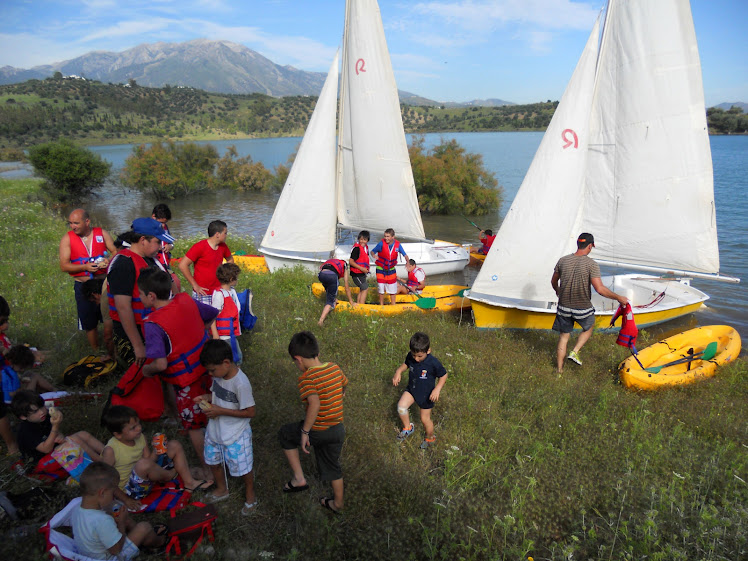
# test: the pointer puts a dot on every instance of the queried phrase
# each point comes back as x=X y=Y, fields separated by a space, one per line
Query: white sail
x=544 y=217
x=304 y=218
x=649 y=187
x=375 y=181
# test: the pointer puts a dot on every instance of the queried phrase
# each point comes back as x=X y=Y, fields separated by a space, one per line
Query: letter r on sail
x=360 y=66
x=568 y=140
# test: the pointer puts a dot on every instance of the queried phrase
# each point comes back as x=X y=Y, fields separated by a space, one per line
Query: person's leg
x=143 y=534
x=583 y=338
x=147 y=469
x=197 y=437
x=362 y=294
x=7 y=435
x=325 y=311
x=219 y=477
x=337 y=493
x=176 y=454
x=249 y=487
x=294 y=462
x=39 y=384
x=170 y=400
x=89 y=316
x=563 y=341
x=406 y=400
x=428 y=424
x=90 y=444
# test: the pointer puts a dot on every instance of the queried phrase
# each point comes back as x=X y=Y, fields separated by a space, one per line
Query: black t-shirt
x=121 y=276
x=354 y=255
x=31 y=435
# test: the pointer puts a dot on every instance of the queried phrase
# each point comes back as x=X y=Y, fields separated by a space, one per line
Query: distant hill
x=728 y=105
x=408 y=98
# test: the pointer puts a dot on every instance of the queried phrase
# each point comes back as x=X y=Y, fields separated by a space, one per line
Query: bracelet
x=306 y=432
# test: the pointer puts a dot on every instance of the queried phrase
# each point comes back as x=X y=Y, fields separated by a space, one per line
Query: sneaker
x=574 y=357
x=427 y=442
x=405 y=433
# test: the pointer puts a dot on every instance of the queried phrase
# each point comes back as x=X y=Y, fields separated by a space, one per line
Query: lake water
x=506 y=154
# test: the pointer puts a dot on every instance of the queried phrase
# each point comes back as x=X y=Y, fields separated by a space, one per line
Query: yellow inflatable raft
x=249 y=263
x=447 y=297
x=678 y=359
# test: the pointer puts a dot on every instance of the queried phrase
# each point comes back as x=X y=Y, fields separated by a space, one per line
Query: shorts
x=565 y=318
x=190 y=414
x=129 y=551
x=89 y=313
x=207 y=299
x=327 y=444
x=422 y=400
x=329 y=280
x=360 y=281
x=387 y=288
x=238 y=455
x=138 y=487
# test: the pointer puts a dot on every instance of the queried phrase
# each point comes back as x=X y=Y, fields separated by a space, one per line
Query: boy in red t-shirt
x=207 y=255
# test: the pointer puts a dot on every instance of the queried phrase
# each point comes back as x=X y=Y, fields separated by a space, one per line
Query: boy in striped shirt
x=322 y=387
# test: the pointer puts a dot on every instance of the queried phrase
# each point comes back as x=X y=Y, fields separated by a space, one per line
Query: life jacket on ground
x=363 y=258
x=413 y=282
x=628 y=333
x=227 y=321
x=487 y=242
x=386 y=262
x=337 y=264
x=181 y=321
x=137 y=305
x=79 y=254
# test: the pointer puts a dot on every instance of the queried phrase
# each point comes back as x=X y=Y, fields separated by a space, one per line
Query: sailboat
x=627 y=158
x=362 y=182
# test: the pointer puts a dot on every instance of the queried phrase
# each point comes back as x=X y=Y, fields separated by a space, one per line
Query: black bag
x=86 y=370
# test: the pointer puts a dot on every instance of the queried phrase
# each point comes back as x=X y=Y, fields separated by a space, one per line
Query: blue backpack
x=247 y=319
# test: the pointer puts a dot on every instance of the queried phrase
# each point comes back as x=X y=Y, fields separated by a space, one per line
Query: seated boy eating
x=103 y=531
x=138 y=466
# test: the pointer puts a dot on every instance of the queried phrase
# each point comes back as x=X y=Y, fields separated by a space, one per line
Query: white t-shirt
x=94 y=532
x=217 y=303
x=235 y=393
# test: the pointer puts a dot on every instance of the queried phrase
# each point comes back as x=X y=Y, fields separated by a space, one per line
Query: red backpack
x=139 y=392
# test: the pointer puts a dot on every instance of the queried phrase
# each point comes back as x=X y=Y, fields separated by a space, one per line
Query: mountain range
x=214 y=66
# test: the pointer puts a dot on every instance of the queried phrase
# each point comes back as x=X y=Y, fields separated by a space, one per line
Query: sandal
x=325 y=503
x=291 y=488
x=202 y=485
x=211 y=498
x=248 y=508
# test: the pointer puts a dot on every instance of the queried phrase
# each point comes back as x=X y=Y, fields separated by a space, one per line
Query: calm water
x=506 y=154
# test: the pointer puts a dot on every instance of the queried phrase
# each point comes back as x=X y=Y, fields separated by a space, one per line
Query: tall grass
x=526 y=464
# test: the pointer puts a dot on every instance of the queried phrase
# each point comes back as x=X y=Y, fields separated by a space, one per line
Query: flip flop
x=325 y=503
x=201 y=486
x=210 y=498
x=290 y=488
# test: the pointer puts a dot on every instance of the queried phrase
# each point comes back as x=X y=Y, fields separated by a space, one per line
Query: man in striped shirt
x=322 y=387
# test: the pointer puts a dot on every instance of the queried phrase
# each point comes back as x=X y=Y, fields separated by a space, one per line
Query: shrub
x=70 y=171
x=450 y=181
x=243 y=174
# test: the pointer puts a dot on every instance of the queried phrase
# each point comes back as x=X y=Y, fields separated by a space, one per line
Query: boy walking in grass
x=426 y=378
x=322 y=387
x=229 y=408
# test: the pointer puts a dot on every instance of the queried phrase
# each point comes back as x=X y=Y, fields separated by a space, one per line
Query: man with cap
x=84 y=255
x=141 y=244
x=572 y=277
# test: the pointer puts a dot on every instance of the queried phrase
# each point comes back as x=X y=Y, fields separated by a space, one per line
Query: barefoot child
x=322 y=387
x=423 y=388
x=229 y=408
x=101 y=530
x=138 y=466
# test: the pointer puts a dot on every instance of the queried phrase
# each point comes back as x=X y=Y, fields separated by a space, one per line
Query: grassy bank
x=526 y=464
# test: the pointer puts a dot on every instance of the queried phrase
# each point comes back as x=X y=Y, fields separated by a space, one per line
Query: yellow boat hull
x=448 y=301
x=252 y=263
x=676 y=347
x=476 y=259
x=431 y=291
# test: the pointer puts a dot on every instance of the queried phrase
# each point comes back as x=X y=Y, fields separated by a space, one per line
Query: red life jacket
x=413 y=282
x=79 y=254
x=363 y=258
x=228 y=318
x=137 y=306
x=164 y=257
x=387 y=258
x=181 y=321
x=336 y=264
x=487 y=242
x=629 y=331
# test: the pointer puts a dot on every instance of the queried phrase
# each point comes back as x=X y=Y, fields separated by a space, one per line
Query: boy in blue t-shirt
x=426 y=378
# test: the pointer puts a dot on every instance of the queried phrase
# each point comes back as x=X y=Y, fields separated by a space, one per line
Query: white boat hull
x=643 y=291
x=435 y=259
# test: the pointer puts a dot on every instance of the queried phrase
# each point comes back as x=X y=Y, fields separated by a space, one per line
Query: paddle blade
x=426 y=303
x=710 y=351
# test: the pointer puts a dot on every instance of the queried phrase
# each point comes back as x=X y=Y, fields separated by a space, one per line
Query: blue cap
x=151 y=227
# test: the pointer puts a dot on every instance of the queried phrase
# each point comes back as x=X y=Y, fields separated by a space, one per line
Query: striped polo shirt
x=327 y=381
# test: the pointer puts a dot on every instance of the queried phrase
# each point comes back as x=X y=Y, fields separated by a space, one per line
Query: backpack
x=247 y=319
x=187 y=530
x=86 y=370
x=144 y=395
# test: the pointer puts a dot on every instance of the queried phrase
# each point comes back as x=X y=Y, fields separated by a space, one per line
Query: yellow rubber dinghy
x=429 y=291
x=657 y=360
x=252 y=263
x=449 y=299
x=476 y=259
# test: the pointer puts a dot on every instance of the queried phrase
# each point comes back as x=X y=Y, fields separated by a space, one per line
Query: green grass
x=526 y=464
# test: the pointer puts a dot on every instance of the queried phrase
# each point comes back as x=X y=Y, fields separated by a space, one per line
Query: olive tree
x=70 y=171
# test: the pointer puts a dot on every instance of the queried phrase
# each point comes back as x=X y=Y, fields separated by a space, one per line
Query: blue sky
x=448 y=50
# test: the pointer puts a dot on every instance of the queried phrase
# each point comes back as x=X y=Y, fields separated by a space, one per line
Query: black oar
x=707 y=354
x=425 y=303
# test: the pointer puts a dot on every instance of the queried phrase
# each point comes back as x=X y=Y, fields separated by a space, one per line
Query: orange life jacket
x=336 y=264
x=387 y=258
x=413 y=282
x=363 y=258
x=137 y=305
x=228 y=318
x=181 y=321
x=629 y=332
x=79 y=254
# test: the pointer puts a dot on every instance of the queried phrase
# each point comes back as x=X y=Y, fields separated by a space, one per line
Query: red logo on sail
x=360 y=66
x=569 y=140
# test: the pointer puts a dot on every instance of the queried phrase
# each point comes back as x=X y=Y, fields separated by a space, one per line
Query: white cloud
x=128 y=29
x=32 y=50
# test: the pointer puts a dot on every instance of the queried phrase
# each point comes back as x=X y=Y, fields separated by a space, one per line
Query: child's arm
x=217 y=411
x=55 y=436
x=312 y=409
x=348 y=291
x=398 y=373
x=437 y=390
x=130 y=503
x=205 y=397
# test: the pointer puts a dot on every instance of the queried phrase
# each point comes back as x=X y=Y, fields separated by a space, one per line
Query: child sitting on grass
x=229 y=408
x=39 y=431
x=226 y=301
x=423 y=389
x=19 y=359
x=5 y=342
x=138 y=466
x=102 y=528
